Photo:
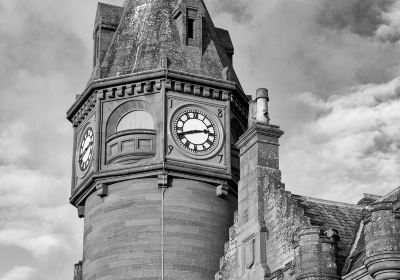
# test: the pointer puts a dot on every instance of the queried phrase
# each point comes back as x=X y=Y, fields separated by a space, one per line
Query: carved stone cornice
x=84 y=111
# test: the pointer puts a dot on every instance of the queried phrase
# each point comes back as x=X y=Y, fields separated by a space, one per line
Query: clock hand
x=84 y=152
x=193 y=132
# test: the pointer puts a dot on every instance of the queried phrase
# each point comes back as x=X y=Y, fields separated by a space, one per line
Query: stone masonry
x=154 y=210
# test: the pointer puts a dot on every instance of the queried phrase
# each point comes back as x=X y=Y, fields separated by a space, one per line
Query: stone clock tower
x=154 y=170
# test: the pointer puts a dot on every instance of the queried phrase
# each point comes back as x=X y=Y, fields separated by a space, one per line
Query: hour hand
x=84 y=152
x=193 y=132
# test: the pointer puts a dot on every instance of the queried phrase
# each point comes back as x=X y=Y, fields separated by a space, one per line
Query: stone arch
x=123 y=117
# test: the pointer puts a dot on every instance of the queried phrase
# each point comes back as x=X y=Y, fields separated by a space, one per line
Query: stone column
x=259 y=164
x=382 y=241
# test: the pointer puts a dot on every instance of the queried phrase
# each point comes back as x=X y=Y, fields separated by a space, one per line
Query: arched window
x=136 y=120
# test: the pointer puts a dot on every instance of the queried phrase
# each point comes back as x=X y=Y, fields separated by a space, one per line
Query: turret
x=315 y=254
x=382 y=240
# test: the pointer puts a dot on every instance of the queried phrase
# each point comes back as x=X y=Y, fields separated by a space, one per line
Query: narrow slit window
x=190 y=28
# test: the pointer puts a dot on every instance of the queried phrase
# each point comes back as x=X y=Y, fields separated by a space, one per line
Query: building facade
x=176 y=170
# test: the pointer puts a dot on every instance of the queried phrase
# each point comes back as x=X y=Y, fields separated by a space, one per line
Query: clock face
x=85 y=153
x=195 y=131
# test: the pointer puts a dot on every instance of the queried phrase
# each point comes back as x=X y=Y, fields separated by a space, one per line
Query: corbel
x=222 y=191
x=81 y=211
x=102 y=190
x=163 y=180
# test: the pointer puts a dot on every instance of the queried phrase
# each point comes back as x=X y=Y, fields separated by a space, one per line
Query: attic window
x=190 y=28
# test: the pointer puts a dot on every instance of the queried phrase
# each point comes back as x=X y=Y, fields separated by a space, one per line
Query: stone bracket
x=102 y=190
x=163 y=180
x=81 y=211
x=222 y=191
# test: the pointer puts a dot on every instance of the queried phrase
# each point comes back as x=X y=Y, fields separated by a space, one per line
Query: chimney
x=259 y=167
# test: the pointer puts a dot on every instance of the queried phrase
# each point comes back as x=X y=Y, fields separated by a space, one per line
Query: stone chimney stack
x=259 y=168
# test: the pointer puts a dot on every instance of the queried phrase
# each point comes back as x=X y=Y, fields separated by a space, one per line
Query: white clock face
x=195 y=131
x=85 y=153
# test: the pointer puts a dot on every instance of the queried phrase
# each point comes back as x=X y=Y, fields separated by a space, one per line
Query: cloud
x=361 y=17
x=44 y=63
x=390 y=29
x=19 y=273
x=33 y=214
x=340 y=137
x=352 y=146
x=284 y=46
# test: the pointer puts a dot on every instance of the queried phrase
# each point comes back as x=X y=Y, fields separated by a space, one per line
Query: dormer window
x=189 y=24
x=190 y=28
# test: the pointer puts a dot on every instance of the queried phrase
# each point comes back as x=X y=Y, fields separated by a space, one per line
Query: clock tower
x=155 y=169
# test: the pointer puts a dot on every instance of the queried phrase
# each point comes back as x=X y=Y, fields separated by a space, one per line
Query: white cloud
x=346 y=145
x=351 y=147
x=19 y=273
x=390 y=30
x=33 y=213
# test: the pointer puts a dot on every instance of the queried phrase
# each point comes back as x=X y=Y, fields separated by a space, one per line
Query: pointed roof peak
x=181 y=30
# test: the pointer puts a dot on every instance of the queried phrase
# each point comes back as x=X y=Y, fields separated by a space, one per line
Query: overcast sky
x=332 y=68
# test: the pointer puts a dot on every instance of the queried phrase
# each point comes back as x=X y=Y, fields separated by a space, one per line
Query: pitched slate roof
x=345 y=218
x=225 y=38
x=147 y=28
x=356 y=258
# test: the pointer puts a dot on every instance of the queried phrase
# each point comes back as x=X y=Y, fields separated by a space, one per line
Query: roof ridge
x=388 y=195
x=110 y=5
x=330 y=202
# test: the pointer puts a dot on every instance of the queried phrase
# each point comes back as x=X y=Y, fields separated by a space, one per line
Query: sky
x=332 y=68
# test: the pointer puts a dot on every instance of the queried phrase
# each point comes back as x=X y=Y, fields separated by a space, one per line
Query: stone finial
x=262 y=100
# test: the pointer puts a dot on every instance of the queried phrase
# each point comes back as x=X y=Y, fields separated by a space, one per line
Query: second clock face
x=195 y=131
x=85 y=153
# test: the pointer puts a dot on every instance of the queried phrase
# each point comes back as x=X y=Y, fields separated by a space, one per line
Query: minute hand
x=193 y=132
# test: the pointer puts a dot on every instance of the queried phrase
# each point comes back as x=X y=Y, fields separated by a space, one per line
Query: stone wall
x=122 y=238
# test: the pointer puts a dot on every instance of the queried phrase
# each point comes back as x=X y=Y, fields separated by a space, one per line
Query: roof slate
x=147 y=29
x=357 y=257
x=225 y=38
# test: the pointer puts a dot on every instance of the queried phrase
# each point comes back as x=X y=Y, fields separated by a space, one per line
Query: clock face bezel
x=82 y=140
x=208 y=121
